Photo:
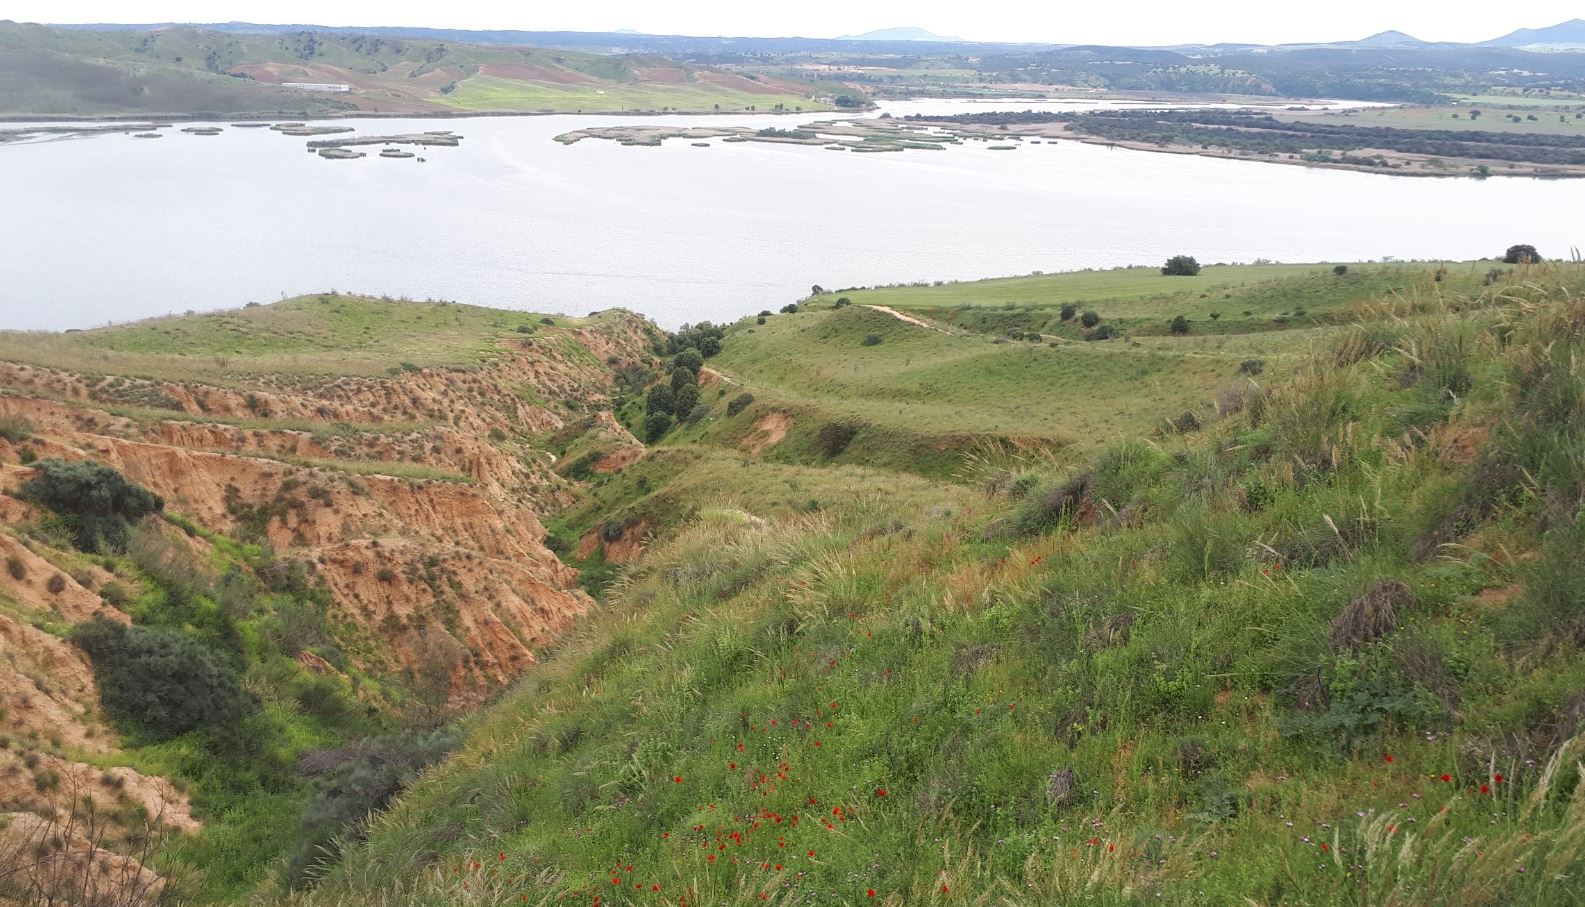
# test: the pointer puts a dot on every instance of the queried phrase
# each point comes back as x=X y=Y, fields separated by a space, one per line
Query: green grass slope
x=1325 y=649
x=996 y=365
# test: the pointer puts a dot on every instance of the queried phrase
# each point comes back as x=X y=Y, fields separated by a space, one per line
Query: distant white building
x=336 y=87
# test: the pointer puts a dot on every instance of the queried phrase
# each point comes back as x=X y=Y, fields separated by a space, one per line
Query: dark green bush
x=690 y=359
x=1104 y=332
x=662 y=400
x=697 y=414
x=790 y=308
x=834 y=437
x=97 y=503
x=870 y=340
x=682 y=375
x=739 y=403
x=160 y=681
x=656 y=426
x=687 y=399
x=1181 y=266
x=1521 y=254
x=842 y=303
x=1179 y=325
x=1068 y=312
x=1340 y=270
x=1089 y=319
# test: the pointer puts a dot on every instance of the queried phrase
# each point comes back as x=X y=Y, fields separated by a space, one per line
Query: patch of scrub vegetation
x=212 y=685
x=1327 y=640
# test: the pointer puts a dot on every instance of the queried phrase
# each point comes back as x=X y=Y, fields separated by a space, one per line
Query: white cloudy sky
x=1128 y=22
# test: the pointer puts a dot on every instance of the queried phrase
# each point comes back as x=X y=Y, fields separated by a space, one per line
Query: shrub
x=526 y=329
x=834 y=437
x=870 y=340
x=656 y=426
x=790 y=308
x=16 y=567
x=1340 y=270
x=697 y=414
x=682 y=375
x=1179 y=325
x=97 y=503
x=548 y=320
x=1181 y=266
x=690 y=359
x=842 y=303
x=352 y=782
x=159 y=680
x=1251 y=367
x=15 y=429
x=1523 y=254
x=1089 y=319
x=662 y=400
x=56 y=584
x=687 y=399
x=1104 y=332
x=1068 y=312
x=739 y=403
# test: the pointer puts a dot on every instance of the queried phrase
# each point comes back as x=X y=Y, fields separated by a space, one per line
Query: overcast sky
x=1129 y=22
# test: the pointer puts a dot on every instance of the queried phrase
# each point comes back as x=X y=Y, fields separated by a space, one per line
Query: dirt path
x=907 y=318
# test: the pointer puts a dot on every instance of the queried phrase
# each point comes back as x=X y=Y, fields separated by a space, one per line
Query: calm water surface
x=115 y=228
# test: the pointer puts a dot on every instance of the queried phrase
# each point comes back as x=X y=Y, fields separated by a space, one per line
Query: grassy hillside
x=1013 y=363
x=1324 y=649
x=61 y=72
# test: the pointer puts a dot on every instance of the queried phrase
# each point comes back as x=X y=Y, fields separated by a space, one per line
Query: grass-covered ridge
x=1324 y=649
x=321 y=334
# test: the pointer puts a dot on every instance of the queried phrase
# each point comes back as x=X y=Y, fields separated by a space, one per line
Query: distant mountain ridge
x=902 y=33
x=1571 y=32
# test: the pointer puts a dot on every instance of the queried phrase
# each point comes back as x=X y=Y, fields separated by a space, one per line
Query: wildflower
x=1325 y=846
x=677 y=780
x=1485 y=788
x=869 y=892
x=880 y=791
x=811 y=853
x=1389 y=757
x=1497 y=778
x=1447 y=777
x=944 y=888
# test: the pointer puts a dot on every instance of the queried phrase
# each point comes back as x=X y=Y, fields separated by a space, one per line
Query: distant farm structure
x=334 y=87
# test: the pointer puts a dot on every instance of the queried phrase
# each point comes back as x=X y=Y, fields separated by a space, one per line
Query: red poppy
x=1485 y=788
x=677 y=780
x=502 y=856
x=869 y=892
x=1325 y=846
x=945 y=889
x=1389 y=757
x=1497 y=777
x=1447 y=777
x=880 y=791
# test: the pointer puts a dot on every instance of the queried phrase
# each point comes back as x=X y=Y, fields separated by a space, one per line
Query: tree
x=842 y=303
x=690 y=359
x=662 y=399
x=1521 y=255
x=1181 y=266
x=687 y=399
x=97 y=503
x=160 y=680
x=681 y=376
x=790 y=308
x=1180 y=325
x=1068 y=312
x=1089 y=319
x=656 y=426
x=709 y=346
x=1475 y=114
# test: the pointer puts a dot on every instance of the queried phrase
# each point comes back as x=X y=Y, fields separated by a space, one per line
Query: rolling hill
x=186 y=70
